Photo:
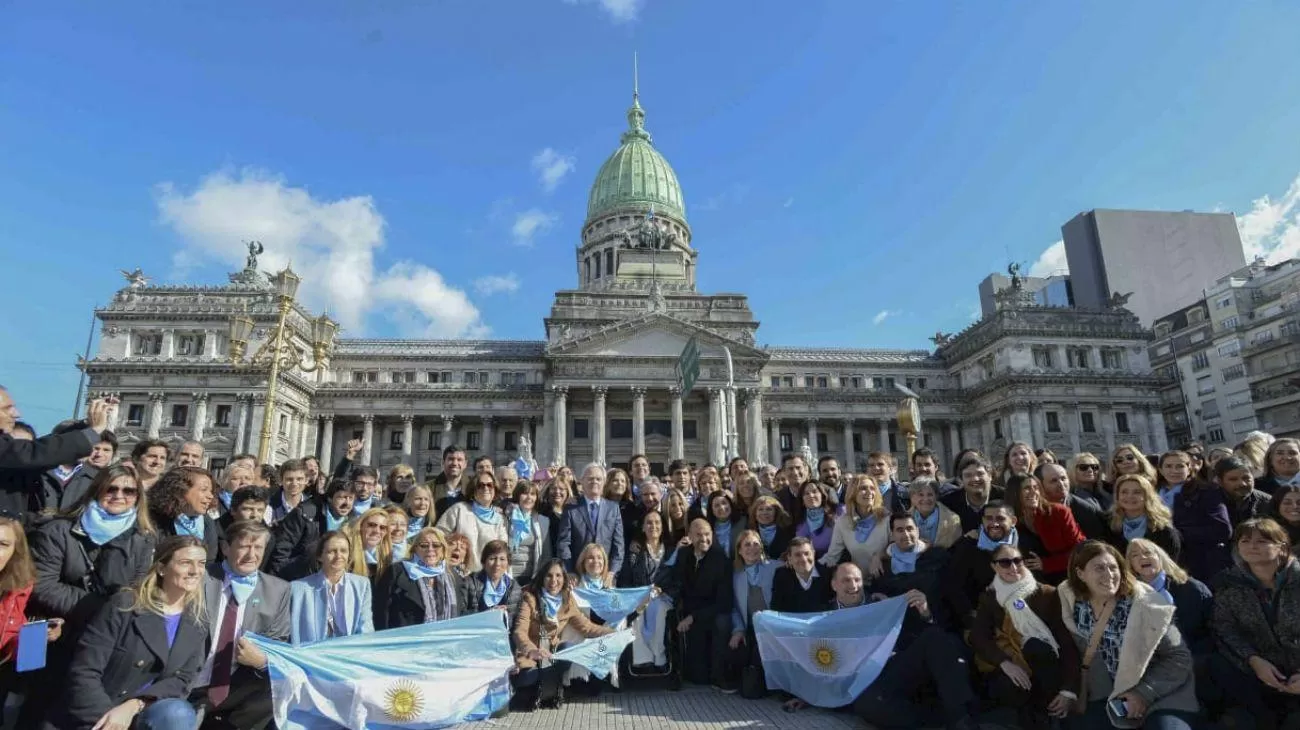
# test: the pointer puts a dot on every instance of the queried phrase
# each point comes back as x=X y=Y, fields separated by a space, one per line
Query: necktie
x=595 y=511
x=223 y=661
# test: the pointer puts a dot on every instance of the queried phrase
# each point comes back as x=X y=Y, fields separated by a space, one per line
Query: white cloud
x=884 y=314
x=331 y=243
x=788 y=202
x=620 y=11
x=496 y=284
x=1051 y=262
x=551 y=167
x=530 y=223
x=1272 y=227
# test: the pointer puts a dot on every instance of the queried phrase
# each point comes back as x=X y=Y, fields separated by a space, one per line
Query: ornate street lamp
x=279 y=350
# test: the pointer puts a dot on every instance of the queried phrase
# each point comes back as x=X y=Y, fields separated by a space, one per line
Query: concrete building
x=1049 y=291
x=601 y=385
x=1163 y=259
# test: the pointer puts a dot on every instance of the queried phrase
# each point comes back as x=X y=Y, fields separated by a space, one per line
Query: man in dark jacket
x=700 y=584
x=977 y=490
x=21 y=460
x=294 y=542
x=910 y=565
x=970 y=570
x=1056 y=487
x=450 y=486
x=798 y=587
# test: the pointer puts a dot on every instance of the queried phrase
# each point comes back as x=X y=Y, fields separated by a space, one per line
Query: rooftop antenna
x=636 y=84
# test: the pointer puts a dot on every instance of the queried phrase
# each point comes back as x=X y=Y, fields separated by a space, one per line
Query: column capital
x=527 y=420
x=810 y=421
x=638 y=392
x=200 y=397
x=488 y=420
x=258 y=399
x=771 y=420
x=715 y=393
x=447 y=421
x=600 y=391
x=848 y=422
x=560 y=390
x=368 y=418
x=326 y=417
x=157 y=396
x=408 y=418
x=675 y=390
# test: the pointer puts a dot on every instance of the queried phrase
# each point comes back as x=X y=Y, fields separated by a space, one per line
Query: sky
x=855 y=168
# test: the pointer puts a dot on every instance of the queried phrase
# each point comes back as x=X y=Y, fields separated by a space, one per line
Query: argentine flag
x=611 y=604
x=827 y=659
x=424 y=676
x=598 y=654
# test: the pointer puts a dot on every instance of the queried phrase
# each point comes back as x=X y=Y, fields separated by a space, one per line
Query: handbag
x=1094 y=641
x=753 y=683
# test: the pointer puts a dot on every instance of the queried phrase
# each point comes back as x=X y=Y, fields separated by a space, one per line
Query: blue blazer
x=740 y=585
x=308 y=604
x=576 y=532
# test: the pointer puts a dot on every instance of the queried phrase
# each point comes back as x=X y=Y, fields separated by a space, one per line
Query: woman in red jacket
x=1047 y=531
x=17 y=575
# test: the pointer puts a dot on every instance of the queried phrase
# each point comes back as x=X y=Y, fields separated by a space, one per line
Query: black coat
x=776 y=549
x=701 y=588
x=295 y=539
x=119 y=653
x=970 y=571
x=58 y=496
x=1089 y=516
x=928 y=578
x=74 y=576
x=1166 y=537
x=1194 y=614
x=398 y=601
x=971 y=518
x=474 y=593
x=790 y=596
x=212 y=533
x=636 y=569
x=46 y=452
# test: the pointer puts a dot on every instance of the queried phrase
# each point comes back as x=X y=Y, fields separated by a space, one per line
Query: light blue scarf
x=927 y=526
x=333 y=523
x=1169 y=495
x=521 y=523
x=815 y=519
x=414 y=526
x=1161 y=585
x=753 y=573
x=193 y=526
x=592 y=583
x=494 y=594
x=767 y=533
x=372 y=556
x=722 y=536
x=863 y=527
x=1135 y=527
x=359 y=507
x=241 y=586
x=987 y=543
x=225 y=498
x=900 y=562
x=101 y=527
x=551 y=604
x=415 y=570
x=399 y=552
x=487 y=515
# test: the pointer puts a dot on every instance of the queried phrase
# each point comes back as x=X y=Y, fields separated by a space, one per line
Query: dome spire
x=635 y=114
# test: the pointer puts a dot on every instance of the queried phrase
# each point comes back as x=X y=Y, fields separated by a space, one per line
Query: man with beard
x=449 y=486
x=970 y=570
x=828 y=473
x=796 y=474
x=701 y=587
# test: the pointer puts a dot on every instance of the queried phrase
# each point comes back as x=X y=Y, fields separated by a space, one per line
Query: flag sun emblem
x=404 y=701
x=824 y=656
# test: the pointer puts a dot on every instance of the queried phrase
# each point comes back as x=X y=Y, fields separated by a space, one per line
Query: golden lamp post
x=279 y=350
x=909 y=422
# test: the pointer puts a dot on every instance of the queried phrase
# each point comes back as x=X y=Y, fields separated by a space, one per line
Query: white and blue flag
x=599 y=654
x=611 y=604
x=423 y=676
x=827 y=659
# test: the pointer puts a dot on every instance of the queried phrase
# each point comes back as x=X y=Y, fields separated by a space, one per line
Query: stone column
x=241 y=423
x=1073 y=426
x=638 y=420
x=1107 y=418
x=883 y=425
x=1138 y=425
x=774 y=440
x=156 y=403
x=327 y=443
x=543 y=447
x=446 y=439
x=811 y=424
x=560 y=428
x=717 y=426
x=488 y=446
x=756 y=445
x=255 y=424
x=954 y=445
x=1158 y=436
x=367 y=438
x=599 y=428
x=200 y=416
x=678 y=449
x=848 y=465
x=408 y=436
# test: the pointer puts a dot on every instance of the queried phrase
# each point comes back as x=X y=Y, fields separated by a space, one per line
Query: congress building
x=602 y=384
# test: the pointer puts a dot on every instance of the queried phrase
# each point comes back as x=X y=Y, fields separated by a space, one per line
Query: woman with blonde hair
x=677 y=518
x=1128 y=459
x=400 y=480
x=399 y=526
x=772 y=523
x=1139 y=512
x=1193 y=604
x=937 y=525
x=423 y=588
x=862 y=530
x=137 y=657
x=1281 y=466
x=479 y=519
x=1019 y=458
x=1086 y=481
x=419 y=506
x=1254 y=450
x=372 y=546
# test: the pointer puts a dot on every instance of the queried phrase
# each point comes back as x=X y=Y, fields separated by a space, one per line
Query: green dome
x=636 y=175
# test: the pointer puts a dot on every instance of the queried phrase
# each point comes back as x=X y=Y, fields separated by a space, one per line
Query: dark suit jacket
x=701 y=588
x=267 y=612
x=1089 y=516
x=21 y=463
x=474 y=594
x=776 y=549
x=57 y=496
x=970 y=518
x=398 y=601
x=122 y=651
x=576 y=532
x=789 y=595
x=294 y=542
x=970 y=571
x=211 y=533
x=931 y=570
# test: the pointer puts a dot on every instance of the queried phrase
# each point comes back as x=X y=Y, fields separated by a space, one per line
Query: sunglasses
x=1088 y=467
x=1009 y=562
x=1126 y=457
x=124 y=491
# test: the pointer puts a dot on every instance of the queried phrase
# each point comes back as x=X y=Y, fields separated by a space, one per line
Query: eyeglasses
x=124 y=491
x=1009 y=562
x=485 y=485
x=1088 y=467
x=431 y=545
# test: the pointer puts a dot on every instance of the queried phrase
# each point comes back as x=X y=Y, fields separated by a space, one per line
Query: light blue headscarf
x=102 y=527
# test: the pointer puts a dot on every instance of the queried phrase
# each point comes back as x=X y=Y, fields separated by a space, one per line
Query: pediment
x=653 y=335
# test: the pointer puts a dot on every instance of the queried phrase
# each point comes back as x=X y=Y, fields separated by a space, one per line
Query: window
x=1087 y=423
x=1230 y=349
x=1245 y=425
x=435 y=438
x=997 y=428
x=1234 y=372
x=223 y=416
x=284 y=424
x=1196 y=337
x=788 y=381
x=1042 y=357
x=216 y=466
x=1223 y=303
x=473 y=440
x=823 y=381
x=986 y=364
x=471 y=378
x=180 y=415
x=357 y=434
x=776 y=381
x=581 y=428
x=1112 y=359
x=658 y=427
x=1121 y=422
x=1205 y=384
x=1231 y=322
x=189 y=345
x=809 y=381
x=149 y=344
x=857 y=381
x=609 y=262
x=395 y=440
x=1210 y=408
x=135 y=414
x=620 y=428
x=514 y=378
x=365 y=376
x=1195 y=316
x=893 y=442
x=690 y=430
x=1262 y=337
x=857 y=442
x=1053 y=421
x=1163 y=329
x=787 y=442
x=437 y=376
x=823 y=444
x=512 y=440
x=1078 y=357
x=920 y=383
x=1216 y=435
x=1200 y=361
x=1162 y=350
x=878 y=383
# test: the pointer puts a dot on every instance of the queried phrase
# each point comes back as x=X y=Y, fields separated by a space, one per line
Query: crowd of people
x=1137 y=590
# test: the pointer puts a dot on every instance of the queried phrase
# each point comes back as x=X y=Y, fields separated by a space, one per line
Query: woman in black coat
x=137 y=657
x=492 y=587
x=179 y=504
x=399 y=598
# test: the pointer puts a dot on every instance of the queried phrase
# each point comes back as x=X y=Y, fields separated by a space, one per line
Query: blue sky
x=854 y=167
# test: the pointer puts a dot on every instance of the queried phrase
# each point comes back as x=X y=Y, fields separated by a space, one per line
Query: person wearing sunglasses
x=479 y=520
x=1085 y=477
x=1125 y=460
x=1022 y=644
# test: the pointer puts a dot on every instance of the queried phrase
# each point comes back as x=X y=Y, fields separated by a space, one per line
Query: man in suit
x=701 y=587
x=233 y=688
x=592 y=519
x=28 y=457
x=798 y=587
x=977 y=490
x=882 y=467
x=296 y=536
